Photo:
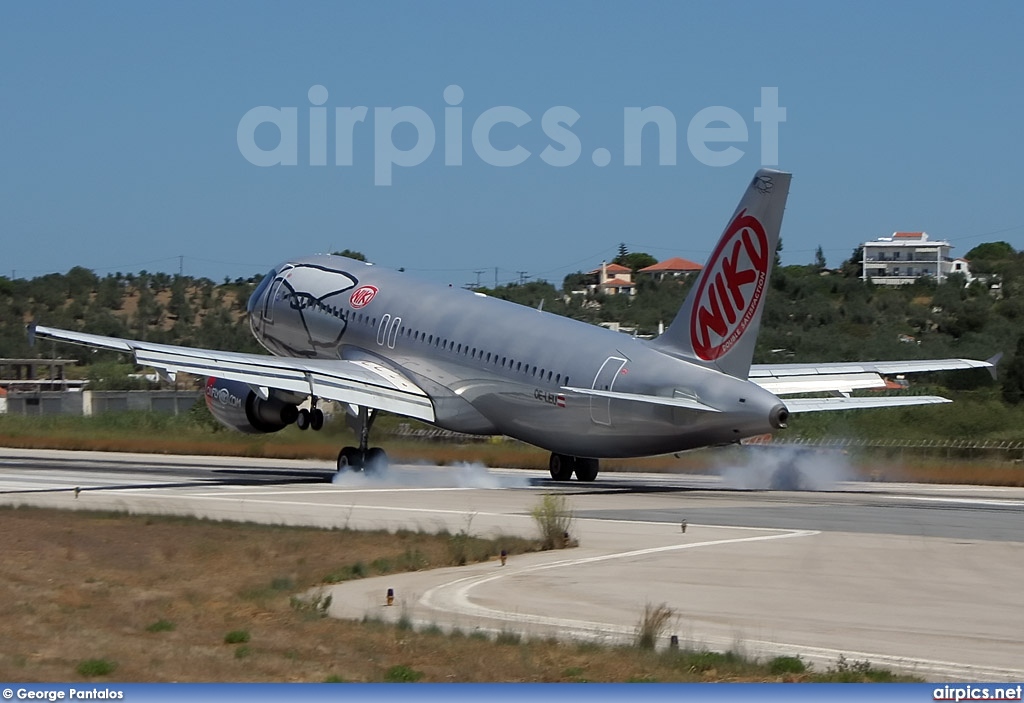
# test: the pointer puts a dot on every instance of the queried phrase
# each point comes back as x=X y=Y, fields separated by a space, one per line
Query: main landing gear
x=362 y=458
x=563 y=466
x=312 y=419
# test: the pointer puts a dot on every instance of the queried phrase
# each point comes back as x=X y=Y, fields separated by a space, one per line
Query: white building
x=906 y=256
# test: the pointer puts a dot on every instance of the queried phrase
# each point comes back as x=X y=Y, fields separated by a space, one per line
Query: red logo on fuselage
x=731 y=288
x=362 y=296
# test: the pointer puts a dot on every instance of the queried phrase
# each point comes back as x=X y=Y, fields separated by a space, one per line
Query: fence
x=96 y=402
x=1002 y=450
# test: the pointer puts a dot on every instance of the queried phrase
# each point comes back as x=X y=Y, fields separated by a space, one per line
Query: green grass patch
x=160 y=626
x=95 y=667
x=236 y=637
x=402 y=674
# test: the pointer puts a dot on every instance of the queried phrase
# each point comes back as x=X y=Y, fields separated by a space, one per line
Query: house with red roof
x=675 y=267
x=612 y=279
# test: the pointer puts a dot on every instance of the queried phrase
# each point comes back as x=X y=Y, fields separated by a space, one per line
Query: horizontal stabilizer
x=810 y=405
x=639 y=398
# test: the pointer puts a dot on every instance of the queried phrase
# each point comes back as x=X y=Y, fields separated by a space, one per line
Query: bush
x=236 y=637
x=508 y=637
x=554 y=518
x=652 y=625
x=787 y=665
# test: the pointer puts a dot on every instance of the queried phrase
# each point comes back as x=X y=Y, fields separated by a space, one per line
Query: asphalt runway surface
x=921 y=578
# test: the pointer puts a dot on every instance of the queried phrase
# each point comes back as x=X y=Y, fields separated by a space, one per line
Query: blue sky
x=119 y=125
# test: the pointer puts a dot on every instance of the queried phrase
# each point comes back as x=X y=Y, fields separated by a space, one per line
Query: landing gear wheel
x=316 y=419
x=561 y=467
x=376 y=460
x=586 y=469
x=303 y=419
x=350 y=459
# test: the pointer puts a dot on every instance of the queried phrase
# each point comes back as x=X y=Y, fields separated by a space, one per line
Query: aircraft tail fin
x=717 y=325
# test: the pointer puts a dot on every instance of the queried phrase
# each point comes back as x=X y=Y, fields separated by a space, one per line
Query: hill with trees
x=812 y=313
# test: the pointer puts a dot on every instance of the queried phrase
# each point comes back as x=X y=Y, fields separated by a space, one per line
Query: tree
x=636 y=261
x=992 y=251
x=819 y=259
x=350 y=254
x=623 y=253
x=1013 y=375
x=854 y=266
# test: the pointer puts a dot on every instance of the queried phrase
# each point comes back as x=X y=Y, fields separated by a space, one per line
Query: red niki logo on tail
x=731 y=288
x=362 y=296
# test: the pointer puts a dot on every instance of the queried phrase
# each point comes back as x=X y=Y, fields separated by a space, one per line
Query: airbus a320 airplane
x=380 y=340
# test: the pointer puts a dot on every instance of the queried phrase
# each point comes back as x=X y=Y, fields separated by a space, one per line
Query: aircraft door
x=382 y=330
x=601 y=408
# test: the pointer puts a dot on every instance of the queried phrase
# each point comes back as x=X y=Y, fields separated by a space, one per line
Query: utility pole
x=495 y=276
x=478 y=275
x=522 y=277
x=181 y=265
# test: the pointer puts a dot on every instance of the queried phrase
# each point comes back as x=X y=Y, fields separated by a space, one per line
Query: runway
x=923 y=578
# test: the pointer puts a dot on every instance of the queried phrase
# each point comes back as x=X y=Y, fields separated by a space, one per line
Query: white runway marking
x=464 y=606
x=325 y=489
x=963 y=501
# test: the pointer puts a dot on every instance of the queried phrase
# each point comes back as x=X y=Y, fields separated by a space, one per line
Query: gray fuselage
x=495 y=367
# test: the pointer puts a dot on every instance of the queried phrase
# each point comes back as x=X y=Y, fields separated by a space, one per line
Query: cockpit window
x=260 y=290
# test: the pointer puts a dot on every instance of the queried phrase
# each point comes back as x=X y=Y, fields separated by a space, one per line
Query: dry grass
x=155 y=599
x=493 y=454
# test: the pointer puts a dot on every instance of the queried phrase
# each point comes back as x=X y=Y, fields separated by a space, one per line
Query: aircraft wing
x=844 y=377
x=759 y=371
x=356 y=382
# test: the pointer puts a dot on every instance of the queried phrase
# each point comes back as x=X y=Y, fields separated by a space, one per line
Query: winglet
x=31 y=329
x=717 y=325
x=993 y=362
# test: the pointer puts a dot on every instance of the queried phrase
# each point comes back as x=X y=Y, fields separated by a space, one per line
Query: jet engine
x=235 y=405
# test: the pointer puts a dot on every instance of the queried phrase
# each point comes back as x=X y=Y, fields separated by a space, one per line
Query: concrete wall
x=96 y=402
